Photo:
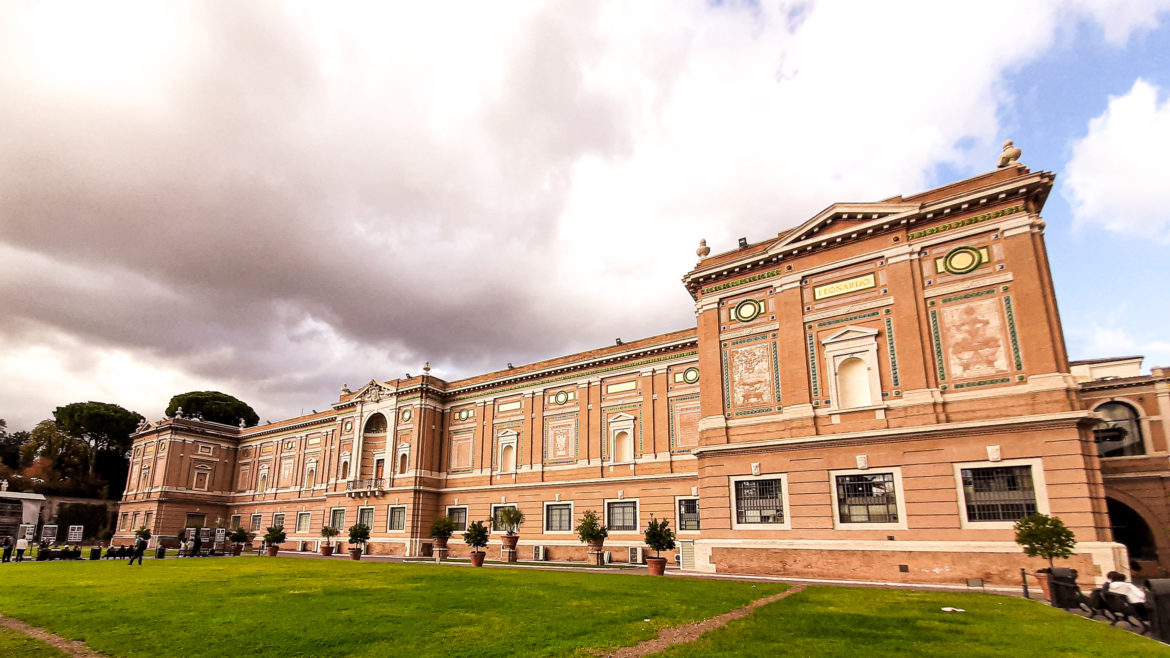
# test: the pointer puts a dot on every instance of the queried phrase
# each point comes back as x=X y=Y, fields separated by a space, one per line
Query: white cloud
x=1101 y=341
x=1116 y=175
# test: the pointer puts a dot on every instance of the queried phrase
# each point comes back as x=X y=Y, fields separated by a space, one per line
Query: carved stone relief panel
x=751 y=375
x=974 y=339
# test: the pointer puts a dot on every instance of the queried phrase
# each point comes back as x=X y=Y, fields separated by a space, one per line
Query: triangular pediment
x=507 y=434
x=850 y=333
x=843 y=219
x=617 y=418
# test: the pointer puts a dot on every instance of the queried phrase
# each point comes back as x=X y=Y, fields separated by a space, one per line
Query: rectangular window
x=303 y=519
x=146 y=520
x=366 y=516
x=622 y=516
x=1000 y=493
x=496 y=525
x=759 y=501
x=867 y=498
x=125 y=520
x=397 y=516
x=196 y=520
x=254 y=525
x=688 y=514
x=459 y=516
x=235 y=522
x=277 y=520
x=558 y=518
x=337 y=518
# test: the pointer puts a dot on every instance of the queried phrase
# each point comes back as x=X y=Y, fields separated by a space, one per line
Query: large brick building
x=878 y=393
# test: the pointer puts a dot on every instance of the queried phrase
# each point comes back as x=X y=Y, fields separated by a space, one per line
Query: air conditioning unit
x=606 y=557
x=538 y=554
x=636 y=555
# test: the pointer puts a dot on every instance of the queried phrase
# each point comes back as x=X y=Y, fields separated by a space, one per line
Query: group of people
x=1117 y=584
x=20 y=546
x=191 y=547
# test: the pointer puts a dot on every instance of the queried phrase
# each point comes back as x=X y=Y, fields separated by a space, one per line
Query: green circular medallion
x=962 y=260
x=747 y=310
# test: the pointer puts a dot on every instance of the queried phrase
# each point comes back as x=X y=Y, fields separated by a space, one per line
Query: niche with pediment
x=851 y=357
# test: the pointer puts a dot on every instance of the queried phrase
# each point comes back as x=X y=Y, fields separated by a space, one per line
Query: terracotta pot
x=271 y=550
x=477 y=559
x=595 y=549
x=326 y=549
x=510 y=541
x=355 y=553
x=237 y=550
x=1043 y=578
x=441 y=542
x=657 y=565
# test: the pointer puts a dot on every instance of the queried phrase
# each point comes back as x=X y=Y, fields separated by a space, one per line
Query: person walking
x=139 y=549
x=7 y=549
x=21 y=547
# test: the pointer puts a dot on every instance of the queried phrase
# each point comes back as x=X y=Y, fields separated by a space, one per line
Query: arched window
x=1121 y=433
x=379 y=468
x=623 y=447
x=853 y=383
x=344 y=469
x=311 y=475
x=376 y=424
x=402 y=463
x=263 y=481
x=508 y=459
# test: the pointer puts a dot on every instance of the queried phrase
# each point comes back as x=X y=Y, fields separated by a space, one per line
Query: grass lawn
x=291 y=606
x=13 y=643
x=837 y=621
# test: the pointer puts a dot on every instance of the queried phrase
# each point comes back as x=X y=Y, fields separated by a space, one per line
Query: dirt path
x=691 y=632
x=71 y=647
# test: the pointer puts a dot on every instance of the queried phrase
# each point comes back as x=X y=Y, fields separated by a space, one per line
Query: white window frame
x=637 y=515
x=373 y=515
x=1143 y=420
x=466 y=516
x=390 y=515
x=310 y=467
x=282 y=518
x=252 y=525
x=678 y=520
x=849 y=342
x=492 y=518
x=262 y=481
x=206 y=470
x=784 y=506
x=236 y=521
x=899 y=500
x=507 y=438
x=340 y=528
x=344 y=465
x=622 y=423
x=1038 y=486
x=403 y=450
x=544 y=517
x=308 y=523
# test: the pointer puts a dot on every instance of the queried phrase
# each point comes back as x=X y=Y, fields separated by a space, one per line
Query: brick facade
x=872 y=395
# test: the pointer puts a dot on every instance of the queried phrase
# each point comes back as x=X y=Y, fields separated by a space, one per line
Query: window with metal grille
x=496 y=525
x=622 y=516
x=303 y=519
x=337 y=518
x=999 y=493
x=459 y=516
x=759 y=501
x=277 y=520
x=397 y=518
x=366 y=516
x=558 y=518
x=688 y=514
x=254 y=523
x=867 y=498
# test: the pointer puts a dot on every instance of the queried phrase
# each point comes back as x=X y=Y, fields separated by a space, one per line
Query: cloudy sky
x=272 y=199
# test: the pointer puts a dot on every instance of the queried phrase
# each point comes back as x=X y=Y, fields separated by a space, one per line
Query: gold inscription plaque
x=842 y=287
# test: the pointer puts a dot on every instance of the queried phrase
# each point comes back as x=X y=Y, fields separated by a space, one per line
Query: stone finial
x=1010 y=157
x=703 y=249
x=178 y=412
x=427 y=367
x=3 y=485
x=345 y=389
x=242 y=423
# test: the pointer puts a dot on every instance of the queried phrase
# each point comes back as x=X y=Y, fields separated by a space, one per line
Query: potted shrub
x=272 y=537
x=1045 y=536
x=238 y=538
x=476 y=537
x=591 y=532
x=358 y=536
x=659 y=537
x=441 y=530
x=510 y=519
x=328 y=532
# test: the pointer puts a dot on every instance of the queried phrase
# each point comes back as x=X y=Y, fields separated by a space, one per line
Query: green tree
x=10 y=443
x=214 y=406
x=104 y=427
x=57 y=450
x=1045 y=536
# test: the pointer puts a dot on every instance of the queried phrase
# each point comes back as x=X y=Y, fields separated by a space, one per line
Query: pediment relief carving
x=850 y=333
